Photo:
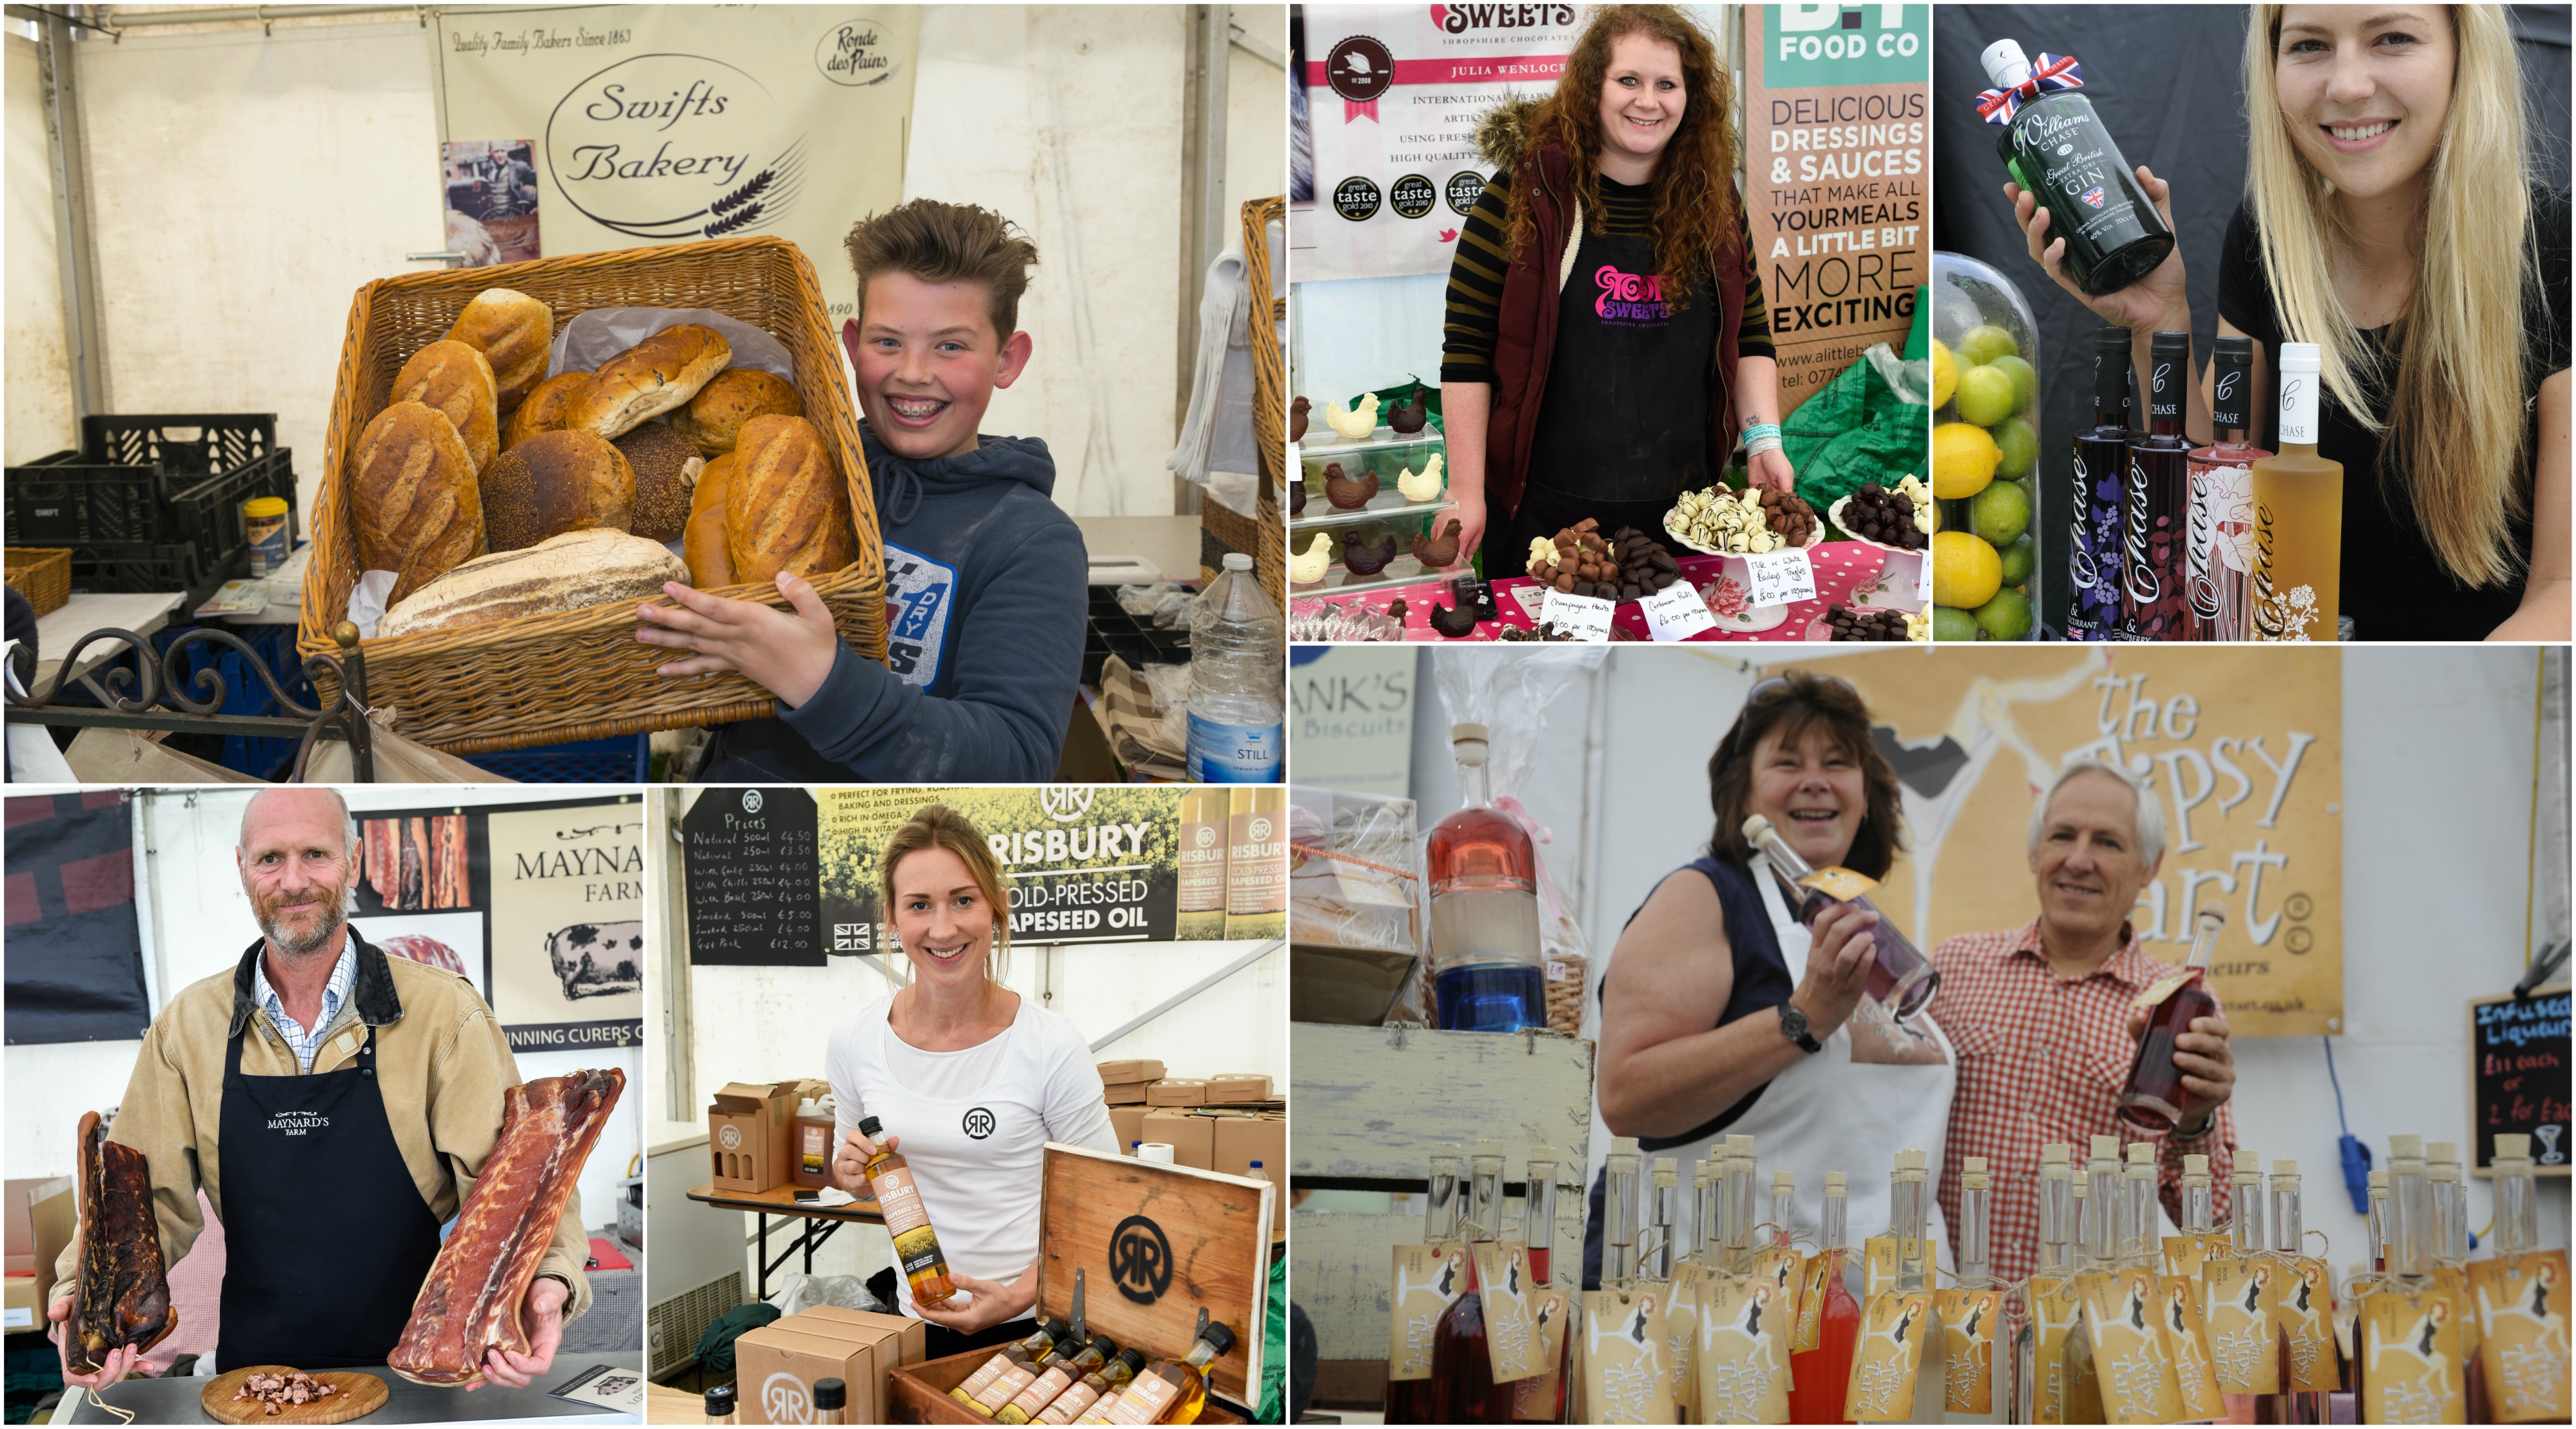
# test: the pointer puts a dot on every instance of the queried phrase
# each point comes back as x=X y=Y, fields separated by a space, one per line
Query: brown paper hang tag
x=2522 y=1344
x=1624 y=1380
x=1428 y=1280
x=2185 y=1254
x=2241 y=1325
x=1541 y=1397
x=2410 y=1356
x=1888 y=1357
x=2137 y=1380
x=2187 y=1347
x=1741 y=1362
x=2456 y=1280
x=1681 y=1331
x=1811 y=1299
x=2056 y=1312
x=2302 y=1305
x=1882 y=1261
x=1778 y=1265
x=1511 y=1320
x=2083 y=1401
x=1968 y=1327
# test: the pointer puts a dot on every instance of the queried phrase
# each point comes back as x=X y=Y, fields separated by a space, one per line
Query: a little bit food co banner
x=670 y=123
x=2244 y=748
x=1084 y=863
x=1395 y=92
x=1837 y=178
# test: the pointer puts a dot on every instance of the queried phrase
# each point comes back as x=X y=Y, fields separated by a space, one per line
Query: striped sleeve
x=1476 y=286
x=1753 y=331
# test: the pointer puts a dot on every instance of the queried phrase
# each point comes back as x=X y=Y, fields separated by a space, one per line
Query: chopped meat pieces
x=276 y=1390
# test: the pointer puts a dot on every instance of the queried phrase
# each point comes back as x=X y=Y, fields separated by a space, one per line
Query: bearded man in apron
x=335 y=1105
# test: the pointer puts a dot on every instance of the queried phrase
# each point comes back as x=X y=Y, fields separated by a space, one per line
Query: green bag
x=1870 y=423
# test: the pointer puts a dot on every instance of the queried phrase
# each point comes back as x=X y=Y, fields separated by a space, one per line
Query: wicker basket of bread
x=523 y=516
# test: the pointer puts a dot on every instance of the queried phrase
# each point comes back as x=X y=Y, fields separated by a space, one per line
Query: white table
x=140 y=614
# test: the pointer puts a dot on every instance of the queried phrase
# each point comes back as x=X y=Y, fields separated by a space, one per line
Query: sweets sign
x=662 y=124
x=2244 y=747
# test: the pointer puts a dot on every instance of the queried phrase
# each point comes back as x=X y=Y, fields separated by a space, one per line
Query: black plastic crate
x=1110 y=630
x=151 y=480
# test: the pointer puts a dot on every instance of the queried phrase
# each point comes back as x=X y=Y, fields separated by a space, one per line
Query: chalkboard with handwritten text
x=2519 y=1080
x=754 y=878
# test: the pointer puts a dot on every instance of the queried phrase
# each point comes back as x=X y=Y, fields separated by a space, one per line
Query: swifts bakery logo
x=296 y=1123
x=671 y=147
x=1140 y=1260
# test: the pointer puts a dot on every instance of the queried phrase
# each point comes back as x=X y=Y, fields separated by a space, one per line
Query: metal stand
x=159 y=697
x=808 y=1240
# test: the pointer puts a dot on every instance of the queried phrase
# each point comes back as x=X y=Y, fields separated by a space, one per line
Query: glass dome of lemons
x=1985 y=454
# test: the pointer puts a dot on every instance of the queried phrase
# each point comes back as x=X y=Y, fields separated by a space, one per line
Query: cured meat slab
x=124 y=1295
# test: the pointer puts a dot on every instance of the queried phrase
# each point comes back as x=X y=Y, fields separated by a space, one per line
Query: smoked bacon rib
x=124 y=1297
x=470 y=1304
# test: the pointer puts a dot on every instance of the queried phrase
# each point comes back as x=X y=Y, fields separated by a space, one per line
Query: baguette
x=515 y=333
x=454 y=380
x=713 y=419
x=547 y=409
x=650 y=378
x=556 y=482
x=788 y=509
x=570 y=572
x=709 y=565
x=419 y=507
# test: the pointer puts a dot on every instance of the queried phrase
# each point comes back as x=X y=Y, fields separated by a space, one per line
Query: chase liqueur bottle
x=2155 y=549
x=2056 y=147
x=2101 y=471
x=2296 y=582
x=2222 y=491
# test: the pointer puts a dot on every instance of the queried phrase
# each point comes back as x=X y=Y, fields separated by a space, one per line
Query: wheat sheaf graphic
x=759 y=182
x=765 y=194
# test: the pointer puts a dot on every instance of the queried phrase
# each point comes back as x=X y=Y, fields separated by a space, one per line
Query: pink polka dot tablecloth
x=1841 y=568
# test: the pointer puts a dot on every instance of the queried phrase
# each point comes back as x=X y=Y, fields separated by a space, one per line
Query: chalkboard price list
x=753 y=878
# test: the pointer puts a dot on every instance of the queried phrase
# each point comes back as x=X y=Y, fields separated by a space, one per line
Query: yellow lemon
x=1945 y=374
x=1964 y=457
x=1966 y=572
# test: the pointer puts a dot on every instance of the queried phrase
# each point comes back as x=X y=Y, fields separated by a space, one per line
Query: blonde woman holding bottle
x=968 y=1079
x=2391 y=217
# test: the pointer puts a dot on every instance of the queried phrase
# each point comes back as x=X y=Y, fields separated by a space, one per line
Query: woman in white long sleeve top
x=967 y=1079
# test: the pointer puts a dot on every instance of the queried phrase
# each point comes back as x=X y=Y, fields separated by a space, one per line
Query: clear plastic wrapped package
x=1354 y=904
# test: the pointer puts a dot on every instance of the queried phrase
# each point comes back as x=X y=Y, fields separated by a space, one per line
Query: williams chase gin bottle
x=2056 y=148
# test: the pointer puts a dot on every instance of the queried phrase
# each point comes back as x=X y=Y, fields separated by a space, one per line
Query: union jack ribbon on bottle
x=2053 y=72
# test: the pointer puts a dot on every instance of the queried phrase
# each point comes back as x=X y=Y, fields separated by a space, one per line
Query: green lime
x=2025 y=381
x=2000 y=513
x=2019 y=446
x=2019 y=558
x=1985 y=396
x=1986 y=342
x=1950 y=623
x=2006 y=617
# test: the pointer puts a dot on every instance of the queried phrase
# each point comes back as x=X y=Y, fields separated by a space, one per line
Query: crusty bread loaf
x=556 y=482
x=570 y=572
x=713 y=419
x=666 y=471
x=514 y=332
x=788 y=509
x=548 y=408
x=710 y=566
x=650 y=378
x=420 y=514
x=453 y=379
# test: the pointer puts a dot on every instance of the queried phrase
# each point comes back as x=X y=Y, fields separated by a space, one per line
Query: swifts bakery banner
x=2244 y=748
x=1394 y=92
x=540 y=906
x=668 y=123
x=1084 y=863
x=1837 y=178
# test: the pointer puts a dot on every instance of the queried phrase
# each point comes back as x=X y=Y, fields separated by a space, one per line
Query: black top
x=2394 y=588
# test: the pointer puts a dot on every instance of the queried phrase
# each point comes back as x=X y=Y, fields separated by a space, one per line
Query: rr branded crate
x=1156 y=1244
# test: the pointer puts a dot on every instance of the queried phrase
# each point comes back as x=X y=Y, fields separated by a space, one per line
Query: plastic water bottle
x=1238 y=681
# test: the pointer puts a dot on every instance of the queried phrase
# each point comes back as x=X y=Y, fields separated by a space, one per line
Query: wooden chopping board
x=354 y=1396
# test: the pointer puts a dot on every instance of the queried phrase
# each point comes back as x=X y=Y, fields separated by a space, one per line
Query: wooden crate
x=1155 y=1244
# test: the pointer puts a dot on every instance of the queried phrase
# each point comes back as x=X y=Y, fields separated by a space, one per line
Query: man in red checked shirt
x=2043 y=1021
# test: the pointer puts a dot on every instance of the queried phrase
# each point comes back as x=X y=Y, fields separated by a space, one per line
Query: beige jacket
x=442 y=1065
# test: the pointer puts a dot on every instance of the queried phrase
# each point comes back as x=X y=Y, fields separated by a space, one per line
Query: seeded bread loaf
x=547 y=408
x=453 y=379
x=787 y=509
x=709 y=565
x=515 y=333
x=713 y=419
x=556 y=482
x=666 y=470
x=652 y=377
x=570 y=572
x=418 y=504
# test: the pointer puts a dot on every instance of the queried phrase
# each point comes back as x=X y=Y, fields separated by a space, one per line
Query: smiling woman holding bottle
x=2391 y=219
x=1606 y=339
x=967 y=1082
x=1721 y=1012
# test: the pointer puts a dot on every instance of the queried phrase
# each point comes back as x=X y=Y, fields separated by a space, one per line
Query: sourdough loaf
x=570 y=572
x=709 y=564
x=650 y=378
x=419 y=510
x=556 y=482
x=548 y=408
x=515 y=333
x=788 y=509
x=713 y=419
x=453 y=379
x=666 y=469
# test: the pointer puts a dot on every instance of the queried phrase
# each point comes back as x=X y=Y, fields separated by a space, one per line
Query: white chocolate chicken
x=1423 y=485
x=1355 y=422
x=1309 y=568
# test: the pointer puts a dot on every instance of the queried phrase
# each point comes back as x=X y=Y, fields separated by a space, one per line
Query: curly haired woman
x=1607 y=341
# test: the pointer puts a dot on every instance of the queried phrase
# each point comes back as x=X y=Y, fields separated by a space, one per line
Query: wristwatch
x=1793 y=1025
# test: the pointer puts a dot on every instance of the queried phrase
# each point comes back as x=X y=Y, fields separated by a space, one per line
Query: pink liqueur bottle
x=2222 y=495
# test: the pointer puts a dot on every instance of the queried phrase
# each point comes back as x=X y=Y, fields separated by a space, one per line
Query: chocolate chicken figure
x=1297 y=419
x=1407 y=417
x=1439 y=554
x=1297 y=495
x=1366 y=558
x=1453 y=624
x=1346 y=494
